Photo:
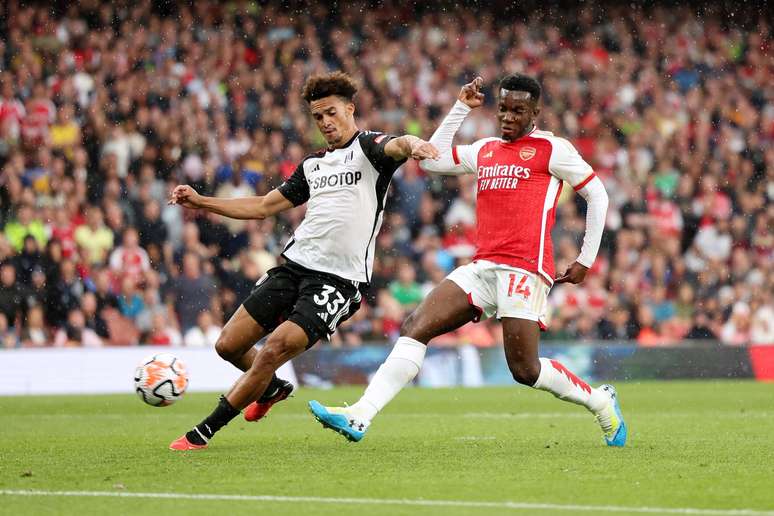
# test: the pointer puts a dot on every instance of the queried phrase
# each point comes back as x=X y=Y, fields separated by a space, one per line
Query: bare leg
x=445 y=309
x=521 y=351
x=237 y=339
x=521 y=338
x=286 y=342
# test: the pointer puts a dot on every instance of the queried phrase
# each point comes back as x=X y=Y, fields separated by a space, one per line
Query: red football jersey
x=519 y=183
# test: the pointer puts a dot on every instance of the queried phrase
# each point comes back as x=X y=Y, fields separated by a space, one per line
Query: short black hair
x=521 y=82
x=333 y=83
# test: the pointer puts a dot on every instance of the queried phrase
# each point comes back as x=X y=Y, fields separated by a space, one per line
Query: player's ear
x=350 y=108
x=535 y=110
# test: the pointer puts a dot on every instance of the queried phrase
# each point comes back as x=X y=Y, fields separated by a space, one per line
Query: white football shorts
x=503 y=291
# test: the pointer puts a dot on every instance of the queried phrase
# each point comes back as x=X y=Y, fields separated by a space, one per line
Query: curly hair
x=334 y=83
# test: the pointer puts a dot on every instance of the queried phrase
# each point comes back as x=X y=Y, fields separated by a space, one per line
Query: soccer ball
x=160 y=379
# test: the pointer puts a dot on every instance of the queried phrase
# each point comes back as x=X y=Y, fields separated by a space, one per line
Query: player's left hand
x=471 y=94
x=574 y=274
x=424 y=150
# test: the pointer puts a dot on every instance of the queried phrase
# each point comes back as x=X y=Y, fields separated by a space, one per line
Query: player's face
x=335 y=119
x=516 y=113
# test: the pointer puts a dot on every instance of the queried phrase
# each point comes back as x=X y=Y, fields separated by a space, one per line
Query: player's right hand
x=471 y=94
x=424 y=150
x=185 y=196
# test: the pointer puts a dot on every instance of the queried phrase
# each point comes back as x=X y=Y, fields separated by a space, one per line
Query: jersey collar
x=534 y=128
x=354 y=136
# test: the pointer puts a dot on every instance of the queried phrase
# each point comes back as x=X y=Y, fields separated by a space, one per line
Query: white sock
x=402 y=365
x=562 y=383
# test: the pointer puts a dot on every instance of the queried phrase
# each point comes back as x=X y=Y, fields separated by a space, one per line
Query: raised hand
x=471 y=94
x=185 y=196
x=421 y=149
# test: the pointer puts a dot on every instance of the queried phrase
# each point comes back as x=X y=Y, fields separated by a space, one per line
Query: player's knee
x=412 y=328
x=224 y=349
x=279 y=349
x=526 y=373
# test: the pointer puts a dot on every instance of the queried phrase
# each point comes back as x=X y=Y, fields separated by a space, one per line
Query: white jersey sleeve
x=567 y=164
x=460 y=159
x=466 y=156
x=596 y=211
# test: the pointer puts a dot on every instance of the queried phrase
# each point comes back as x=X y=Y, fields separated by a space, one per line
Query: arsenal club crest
x=527 y=153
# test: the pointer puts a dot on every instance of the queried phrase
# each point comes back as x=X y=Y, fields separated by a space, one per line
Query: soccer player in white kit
x=329 y=258
x=520 y=177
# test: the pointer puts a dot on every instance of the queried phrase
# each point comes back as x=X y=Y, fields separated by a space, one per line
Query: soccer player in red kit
x=520 y=177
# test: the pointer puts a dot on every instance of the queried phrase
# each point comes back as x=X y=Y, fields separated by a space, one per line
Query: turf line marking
x=395 y=501
x=433 y=415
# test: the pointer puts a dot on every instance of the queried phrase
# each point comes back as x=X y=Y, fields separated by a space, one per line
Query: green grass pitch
x=693 y=445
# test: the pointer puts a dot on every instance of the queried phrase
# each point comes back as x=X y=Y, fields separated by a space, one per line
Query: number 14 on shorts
x=519 y=287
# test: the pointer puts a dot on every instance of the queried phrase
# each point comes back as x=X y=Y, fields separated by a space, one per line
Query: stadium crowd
x=104 y=107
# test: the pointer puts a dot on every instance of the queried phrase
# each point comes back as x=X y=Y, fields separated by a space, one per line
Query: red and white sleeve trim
x=584 y=182
x=455 y=157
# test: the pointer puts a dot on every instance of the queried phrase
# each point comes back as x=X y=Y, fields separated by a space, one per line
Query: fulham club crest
x=527 y=153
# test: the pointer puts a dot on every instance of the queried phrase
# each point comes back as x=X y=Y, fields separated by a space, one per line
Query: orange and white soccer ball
x=160 y=379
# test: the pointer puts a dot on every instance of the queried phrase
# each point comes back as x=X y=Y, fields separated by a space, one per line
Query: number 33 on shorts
x=330 y=298
x=522 y=295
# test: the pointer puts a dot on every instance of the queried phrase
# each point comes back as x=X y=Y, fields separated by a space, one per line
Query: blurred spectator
x=35 y=334
x=151 y=307
x=65 y=294
x=162 y=333
x=192 y=292
x=74 y=333
x=129 y=301
x=649 y=334
x=102 y=290
x=11 y=295
x=95 y=237
x=256 y=251
x=25 y=224
x=701 y=328
x=8 y=337
x=28 y=259
x=406 y=291
x=762 y=331
x=151 y=228
x=205 y=334
x=617 y=325
x=130 y=260
x=93 y=319
x=736 y=330
x=63 y=230
x=37 y=292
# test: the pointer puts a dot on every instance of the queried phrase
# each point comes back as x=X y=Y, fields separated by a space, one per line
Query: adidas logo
x=488 y=155
x=323 y=316
x=316 y=168
x=349 y=157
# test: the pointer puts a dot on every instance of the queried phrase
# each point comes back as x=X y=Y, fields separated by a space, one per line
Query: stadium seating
x=104 y=109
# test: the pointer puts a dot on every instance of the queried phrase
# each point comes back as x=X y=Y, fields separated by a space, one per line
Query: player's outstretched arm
x=258 y=207
x=409 y=146
x=470 y=97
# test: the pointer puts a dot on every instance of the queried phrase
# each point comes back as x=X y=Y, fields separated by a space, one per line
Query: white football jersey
x=345 y=190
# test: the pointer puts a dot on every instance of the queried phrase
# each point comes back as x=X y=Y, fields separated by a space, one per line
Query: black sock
x=271 y=389
x=219 y=418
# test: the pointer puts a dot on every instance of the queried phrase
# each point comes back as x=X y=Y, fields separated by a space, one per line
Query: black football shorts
x=318 y=302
